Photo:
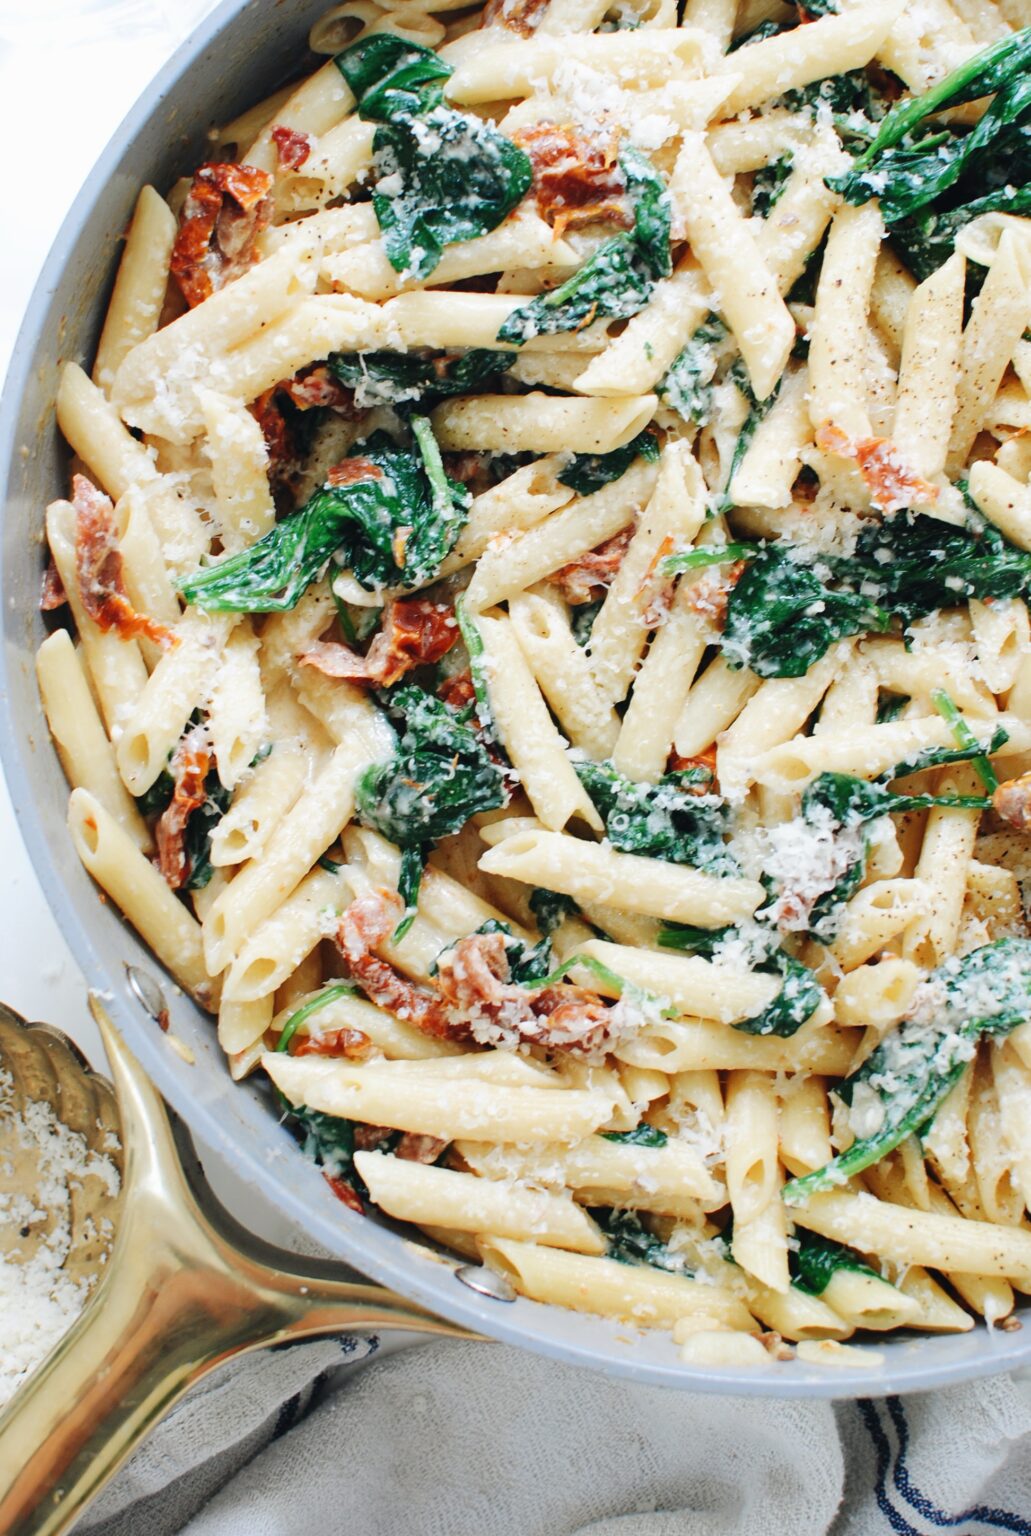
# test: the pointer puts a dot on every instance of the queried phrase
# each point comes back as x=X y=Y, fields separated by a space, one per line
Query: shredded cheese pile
x=39 y=1301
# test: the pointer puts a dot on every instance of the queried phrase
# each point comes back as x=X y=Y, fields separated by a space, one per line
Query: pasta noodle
x=540 y=645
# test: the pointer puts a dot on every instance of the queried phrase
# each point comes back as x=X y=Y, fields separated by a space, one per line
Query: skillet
x=236 y=56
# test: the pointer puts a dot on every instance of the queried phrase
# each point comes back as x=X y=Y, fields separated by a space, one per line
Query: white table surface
x=90 y=60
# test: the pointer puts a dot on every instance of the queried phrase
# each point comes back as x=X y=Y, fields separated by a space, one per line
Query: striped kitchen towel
x=462 y=1439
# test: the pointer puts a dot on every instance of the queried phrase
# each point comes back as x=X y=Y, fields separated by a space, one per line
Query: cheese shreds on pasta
x=575 y=727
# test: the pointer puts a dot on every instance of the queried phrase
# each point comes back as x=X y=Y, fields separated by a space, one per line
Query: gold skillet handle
x=181 y=1295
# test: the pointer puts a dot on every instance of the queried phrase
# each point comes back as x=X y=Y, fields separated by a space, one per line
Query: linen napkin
x=448 y=1438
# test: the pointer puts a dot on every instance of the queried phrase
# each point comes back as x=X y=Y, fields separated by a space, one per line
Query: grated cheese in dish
x=39 y=1300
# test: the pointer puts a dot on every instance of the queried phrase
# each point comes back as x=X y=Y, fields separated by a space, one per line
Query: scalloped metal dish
x=235 y=57
x=44 y=1067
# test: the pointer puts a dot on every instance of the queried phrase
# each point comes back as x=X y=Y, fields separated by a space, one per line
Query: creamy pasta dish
x=541 y=644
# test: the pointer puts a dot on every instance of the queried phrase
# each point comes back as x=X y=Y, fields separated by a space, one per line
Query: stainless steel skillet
x=235 y=57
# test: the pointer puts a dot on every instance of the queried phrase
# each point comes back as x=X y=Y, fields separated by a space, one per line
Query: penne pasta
x=541 y=645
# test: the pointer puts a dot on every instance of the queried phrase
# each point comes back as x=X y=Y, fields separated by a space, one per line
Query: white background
x=69 y=71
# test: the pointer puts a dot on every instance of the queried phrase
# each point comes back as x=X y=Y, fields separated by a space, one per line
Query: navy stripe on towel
x=898 y=1497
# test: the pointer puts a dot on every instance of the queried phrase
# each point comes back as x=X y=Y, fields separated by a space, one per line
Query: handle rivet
x=485 y=1282
x=146 y=991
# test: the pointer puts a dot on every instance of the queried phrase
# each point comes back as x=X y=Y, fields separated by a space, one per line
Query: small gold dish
x=178 y=1285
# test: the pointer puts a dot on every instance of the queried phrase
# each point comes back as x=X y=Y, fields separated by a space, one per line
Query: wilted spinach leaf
x=665 y=820
x=967 y=740
x=851 y=98
x=197 y=837
x=408 y=882
x=932 y=178
x=643 y=1135
x=816 y=1261
x=631 y=1243
x=154 y=800
x=981 y=75
x=442 y=176
x=803 y=290
x=838 y=807
x=911 y=175
x=768 y=184
x=328 y=1140
x=850 y=801
x=391 y=525
x=849 y=95
x=473 y=641
x=389 y=75
x=800 y=994
x=911 y=564
x=890 y=705
x=617 y=280
x=905 y=1079
x=651 y=208
x=928 y=238
x=581 y=620
x=439 y=776
x=691 y=940
x=687 y=384
x=758 y=34
x=528 y=964
x=687 y=387
x=588 y=472
x=781 y=618
x=784 y=612
x=709 y=554
x=401 y=378
x=202 y=822
x=758 y=409
x=451 y=179
x=611 y=284
x=301 y=1015
x=550 y=909
x=799 y=997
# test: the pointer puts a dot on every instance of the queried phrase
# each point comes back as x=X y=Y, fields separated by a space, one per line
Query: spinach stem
x=965 y=737
x=296 y=1019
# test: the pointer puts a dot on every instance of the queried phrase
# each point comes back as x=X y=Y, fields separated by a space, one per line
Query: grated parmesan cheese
x=39 y=1301
x=807 y=857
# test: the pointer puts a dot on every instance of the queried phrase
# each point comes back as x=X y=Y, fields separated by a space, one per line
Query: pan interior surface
x=234 y=58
